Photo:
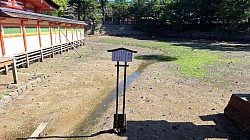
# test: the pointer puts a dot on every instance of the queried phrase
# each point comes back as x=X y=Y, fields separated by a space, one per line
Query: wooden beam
x=38 y=131
x=6 y=67
x=14 y=71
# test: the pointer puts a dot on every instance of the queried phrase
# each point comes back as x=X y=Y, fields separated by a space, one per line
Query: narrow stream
x=93 y=118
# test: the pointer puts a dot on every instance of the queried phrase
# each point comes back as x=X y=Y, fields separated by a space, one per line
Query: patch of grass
x=4 y=93
x=192 y=62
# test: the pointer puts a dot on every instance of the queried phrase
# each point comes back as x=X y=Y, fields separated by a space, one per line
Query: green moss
x=192 y=61
x=4 y=93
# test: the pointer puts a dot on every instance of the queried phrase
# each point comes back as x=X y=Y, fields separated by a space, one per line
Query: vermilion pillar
x=76 y=33
x=66 y=33
x=1 y=40
x=39 y=33
x=50 y=32
x=24 y=35
x=59 y=30
x=72 y=32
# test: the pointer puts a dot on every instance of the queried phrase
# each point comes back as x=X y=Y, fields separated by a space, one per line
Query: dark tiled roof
x=7 y=12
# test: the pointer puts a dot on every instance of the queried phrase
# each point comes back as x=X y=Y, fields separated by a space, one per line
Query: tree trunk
x=78 y=9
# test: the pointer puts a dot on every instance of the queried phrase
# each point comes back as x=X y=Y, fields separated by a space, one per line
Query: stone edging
x=18 y=90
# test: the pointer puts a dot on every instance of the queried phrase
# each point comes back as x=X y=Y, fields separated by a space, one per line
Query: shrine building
x=28 y=36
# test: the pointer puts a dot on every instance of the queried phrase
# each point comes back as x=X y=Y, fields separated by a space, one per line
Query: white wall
x=13 y=45
x=74 y=35
x=63 y=37
x=32 y=43
x=79 y=34
x=45 y=39
x=69 y=36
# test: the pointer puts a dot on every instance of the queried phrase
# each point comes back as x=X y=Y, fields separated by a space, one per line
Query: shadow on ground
x=158 y=58
x=216 y=47
x=202 y=44
x=218 y=127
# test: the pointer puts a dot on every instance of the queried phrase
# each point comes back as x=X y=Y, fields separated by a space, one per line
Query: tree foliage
x=161 y=15
x=181 y=15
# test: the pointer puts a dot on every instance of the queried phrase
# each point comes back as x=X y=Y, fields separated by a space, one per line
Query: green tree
x=60 y=11
x=234 y=14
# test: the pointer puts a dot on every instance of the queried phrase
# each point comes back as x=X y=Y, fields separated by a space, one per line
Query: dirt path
x=161 y=104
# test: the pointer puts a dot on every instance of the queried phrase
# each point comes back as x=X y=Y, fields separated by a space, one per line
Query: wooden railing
x=25 y=59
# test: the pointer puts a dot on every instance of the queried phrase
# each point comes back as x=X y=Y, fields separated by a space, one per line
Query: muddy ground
x=161 y=103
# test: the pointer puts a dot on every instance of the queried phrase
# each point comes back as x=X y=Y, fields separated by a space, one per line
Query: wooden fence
x=25 y=59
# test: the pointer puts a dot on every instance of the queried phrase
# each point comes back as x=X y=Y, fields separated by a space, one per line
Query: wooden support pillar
x=40 y=40
x=41 y=51
x=25 y=42
x=5 y=61
x=14 y=71
x=82 y=35
x=72 y=32
x=24 y=35
x=67 y=41
x=39 y=33
x=27 y=60
x=77 y=37
x=52 y=51
x=60 y=39
x=51 y=40
x=50 y=33
x=2 y=47
x=6 y=67
x=1 y=39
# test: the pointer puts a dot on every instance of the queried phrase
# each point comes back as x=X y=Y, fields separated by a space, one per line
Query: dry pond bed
x=161 y=104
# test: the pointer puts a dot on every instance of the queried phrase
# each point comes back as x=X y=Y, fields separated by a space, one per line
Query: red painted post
x=67 y=42
x=24 y=36
x=40 y=40
x=50 y=32
x=39 y=33
x=1 y=40
x=72 y=32
x=25 y=42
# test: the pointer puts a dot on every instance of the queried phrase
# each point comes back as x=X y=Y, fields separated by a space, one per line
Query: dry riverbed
x=161 y=103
